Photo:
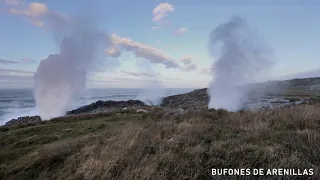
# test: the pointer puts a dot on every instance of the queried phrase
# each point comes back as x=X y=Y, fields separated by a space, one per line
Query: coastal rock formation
x=277 y=94
x=23 y=121
x=197 y=99
x=108 y=106
x=313 y=101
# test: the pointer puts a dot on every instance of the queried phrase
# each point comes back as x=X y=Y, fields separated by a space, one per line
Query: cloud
x=180 y=31
x=40 y=15
x=24 y=79
x=33 y=10
x=3 y=61
x=23 y=61
x=186 y=60
x=190 y=67
x=188 y=64
x=161 y=11
x=138 y=74
x=10 y=78
x=15 y=78
x=15 y=71
x=140 y=50
x=15 y=81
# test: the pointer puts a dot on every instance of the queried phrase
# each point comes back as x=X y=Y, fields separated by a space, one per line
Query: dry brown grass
x=162 y=145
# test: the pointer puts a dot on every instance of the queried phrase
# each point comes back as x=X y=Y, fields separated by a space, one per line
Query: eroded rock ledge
x=108 y=106
x=24 y=121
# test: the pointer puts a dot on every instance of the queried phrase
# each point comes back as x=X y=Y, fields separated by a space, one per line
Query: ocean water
x=20 y=102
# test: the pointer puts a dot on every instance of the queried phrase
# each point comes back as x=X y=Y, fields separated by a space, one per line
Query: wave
x=113 y=96
x=15 y=113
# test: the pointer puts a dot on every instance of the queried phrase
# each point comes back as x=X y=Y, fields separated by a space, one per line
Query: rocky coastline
x=108 y=106
x=26 y=120
x=195 y=100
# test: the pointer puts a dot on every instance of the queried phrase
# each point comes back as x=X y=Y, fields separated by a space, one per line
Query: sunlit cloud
x=140 y=50
x=161 y=11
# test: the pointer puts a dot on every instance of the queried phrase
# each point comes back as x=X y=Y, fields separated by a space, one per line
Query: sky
x=166 y=41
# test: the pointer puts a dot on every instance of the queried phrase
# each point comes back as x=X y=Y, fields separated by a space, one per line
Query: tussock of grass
x=163 y=145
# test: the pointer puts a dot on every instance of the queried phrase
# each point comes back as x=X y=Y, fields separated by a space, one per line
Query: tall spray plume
x=242 y=58
x=62 y=77
x=152 y=90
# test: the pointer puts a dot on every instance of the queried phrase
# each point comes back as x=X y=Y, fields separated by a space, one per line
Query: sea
x=16 y=103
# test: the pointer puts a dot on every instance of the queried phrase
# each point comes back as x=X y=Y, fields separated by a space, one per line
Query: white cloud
x=147 y=52
x=37 y=9
x=141 y=50
x=161 y=11
x=33 y=10
x=181 y=31
x=39 y=15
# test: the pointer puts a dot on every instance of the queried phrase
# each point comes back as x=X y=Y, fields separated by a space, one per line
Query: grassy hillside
x=162 y=145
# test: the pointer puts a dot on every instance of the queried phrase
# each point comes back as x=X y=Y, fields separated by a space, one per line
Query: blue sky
x=178 y=33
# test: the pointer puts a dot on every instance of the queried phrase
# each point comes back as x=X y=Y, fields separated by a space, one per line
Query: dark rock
x=108 y=106
x=23 y=121
x=313 y=101
x=293 y=99
x=197 y=99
